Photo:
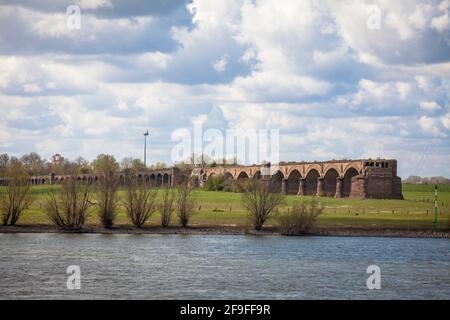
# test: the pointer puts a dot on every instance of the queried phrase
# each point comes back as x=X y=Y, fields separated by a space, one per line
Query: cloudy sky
x=336 y=83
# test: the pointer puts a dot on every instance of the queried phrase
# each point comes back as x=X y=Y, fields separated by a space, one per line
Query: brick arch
x=228 y=178
x=257 y=175
x=165 y=179
x=347 y=181
x=292 y=182
x=330 y=181
x=311 y=167
x=293 y=168
x=211 y=173
x=159 y=180
x=311 y=180
x=335 y=166
x=152 y=180
x=243 y=175
x=357 y=166
x=276 y=180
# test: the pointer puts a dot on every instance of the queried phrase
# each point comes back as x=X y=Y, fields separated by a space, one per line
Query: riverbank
x=350 y=231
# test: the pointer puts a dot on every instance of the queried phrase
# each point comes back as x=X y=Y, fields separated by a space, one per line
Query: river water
x=33 y=266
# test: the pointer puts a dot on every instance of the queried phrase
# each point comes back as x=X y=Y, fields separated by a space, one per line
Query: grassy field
x=225 y=209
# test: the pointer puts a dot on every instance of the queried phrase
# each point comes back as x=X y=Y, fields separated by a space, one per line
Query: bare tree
x=185 y=204
x=301 y=218
x=140 y=200
x=108 y=184
x=17 y=196
x=260 y=200
x=69 y=209
x=165 y=206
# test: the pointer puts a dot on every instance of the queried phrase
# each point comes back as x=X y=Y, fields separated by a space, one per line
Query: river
x=33 y=266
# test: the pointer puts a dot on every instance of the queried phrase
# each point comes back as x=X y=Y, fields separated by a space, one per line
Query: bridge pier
x=338 y=187
x=320 y=187
x=283 y=186
x=301 y=187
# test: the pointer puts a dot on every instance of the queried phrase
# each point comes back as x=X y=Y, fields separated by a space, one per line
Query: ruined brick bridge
x=365 y=178
x=345 y=178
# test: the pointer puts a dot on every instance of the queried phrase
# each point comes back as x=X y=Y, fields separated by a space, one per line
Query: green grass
x=225 y=209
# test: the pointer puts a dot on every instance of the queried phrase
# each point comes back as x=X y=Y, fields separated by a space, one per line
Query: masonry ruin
x=367 y=178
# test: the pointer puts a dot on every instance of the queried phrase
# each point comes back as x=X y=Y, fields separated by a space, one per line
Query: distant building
x=57 y=159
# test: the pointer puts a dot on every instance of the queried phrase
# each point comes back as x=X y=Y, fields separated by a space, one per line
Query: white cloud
x=94 y=4
x=431 y=126
x=31 y=88
x=441 y=23
x=330 y=84
x=446 y=121
x=429 y=106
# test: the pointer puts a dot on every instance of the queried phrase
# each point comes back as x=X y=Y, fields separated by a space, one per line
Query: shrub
x=215 y=183
x=240 y=185
x=140 y=201
x=227 y=189
x=260 y=201
x=69 y=209
x=17 y=195
x=107 y=199
x=185 y=204
x=165 y=207
x=301 y=218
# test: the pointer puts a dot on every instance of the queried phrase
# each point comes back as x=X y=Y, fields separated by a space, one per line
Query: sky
x=338 y=79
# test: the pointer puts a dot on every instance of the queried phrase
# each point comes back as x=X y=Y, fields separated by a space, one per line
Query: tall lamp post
x=145 y=148
x=435 y=222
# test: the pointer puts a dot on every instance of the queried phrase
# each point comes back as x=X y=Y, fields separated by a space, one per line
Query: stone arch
x=257 y=175
x=276 y=180
x=210 y=176
x=293 y=181
x=166 y=179
x=228 y=178
x=242 y=175
x=152 y=180
x=347 y=181
x=159 y=179
x=330 y=182
x=311 y=180
x=336 y=166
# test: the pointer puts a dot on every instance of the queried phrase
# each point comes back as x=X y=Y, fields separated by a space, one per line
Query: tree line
x=426 y=180
x=35 y=165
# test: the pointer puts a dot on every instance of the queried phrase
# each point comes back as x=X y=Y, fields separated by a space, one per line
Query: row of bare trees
x=69 y=209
